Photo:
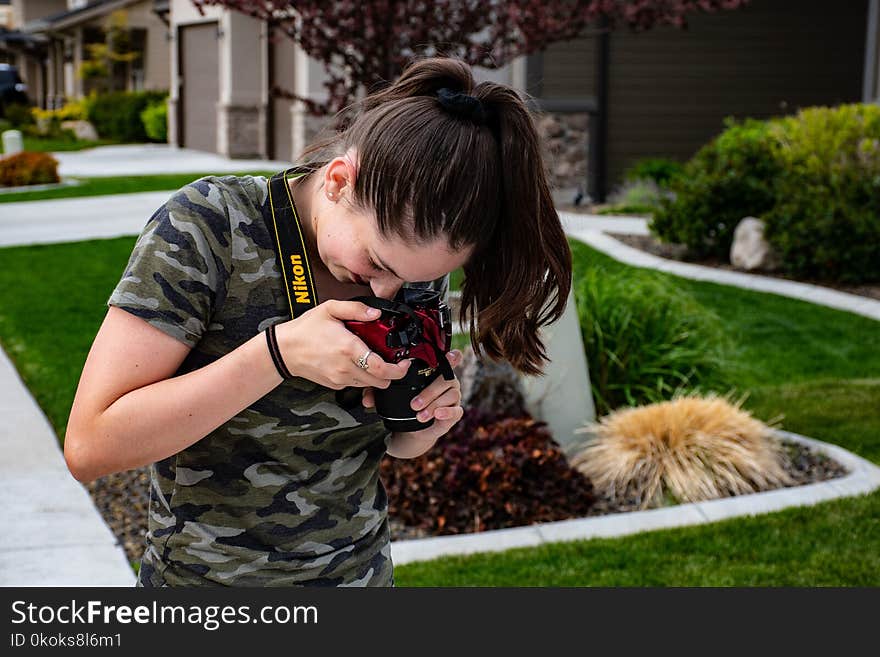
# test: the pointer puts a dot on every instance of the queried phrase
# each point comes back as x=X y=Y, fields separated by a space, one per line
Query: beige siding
x=200 y=86
x=285 y=78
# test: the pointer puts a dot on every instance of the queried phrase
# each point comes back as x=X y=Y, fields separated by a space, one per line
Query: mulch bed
x=123 y=498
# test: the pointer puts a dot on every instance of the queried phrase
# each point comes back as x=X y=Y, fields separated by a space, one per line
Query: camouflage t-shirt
x=287 y=492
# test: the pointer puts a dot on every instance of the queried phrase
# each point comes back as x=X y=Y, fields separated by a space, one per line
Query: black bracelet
x=275 y=352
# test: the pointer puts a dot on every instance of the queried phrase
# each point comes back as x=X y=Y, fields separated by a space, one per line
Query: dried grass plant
x=691 y=448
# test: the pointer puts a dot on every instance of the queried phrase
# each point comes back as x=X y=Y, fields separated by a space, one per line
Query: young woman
x=260 y=478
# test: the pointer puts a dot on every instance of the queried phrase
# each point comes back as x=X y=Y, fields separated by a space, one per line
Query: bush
x=728 y=179
x=646 y=340
x=72 y=111
x=19 y=115
x=826 y=220
x=155 y=120
x=636 y=196
x=28 y=169
x=686 y=450
x=486 y=473
x=117 y=115
x=661 y=170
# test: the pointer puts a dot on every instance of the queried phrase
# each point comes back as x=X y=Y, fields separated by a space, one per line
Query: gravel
x=123 y=498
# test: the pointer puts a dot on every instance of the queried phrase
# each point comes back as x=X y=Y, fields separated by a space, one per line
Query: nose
x=386 y=289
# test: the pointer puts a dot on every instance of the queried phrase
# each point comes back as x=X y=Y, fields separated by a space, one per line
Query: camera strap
x=293 y=261
x=290 y=251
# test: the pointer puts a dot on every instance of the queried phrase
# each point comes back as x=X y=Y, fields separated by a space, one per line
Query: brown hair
x=427 y=171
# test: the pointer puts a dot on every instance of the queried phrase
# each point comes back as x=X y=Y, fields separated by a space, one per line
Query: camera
x=416 y=324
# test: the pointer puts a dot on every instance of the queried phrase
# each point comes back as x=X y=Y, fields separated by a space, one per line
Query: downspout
x=870 y=91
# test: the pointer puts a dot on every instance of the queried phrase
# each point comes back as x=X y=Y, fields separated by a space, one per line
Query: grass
x=47 y=145
x=48 y=322
x=836 y=543
x=817 y=366
x=117 y=185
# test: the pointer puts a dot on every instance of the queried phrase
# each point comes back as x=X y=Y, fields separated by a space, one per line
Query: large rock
x=82 y=129
x=490 y=386
x=750 y=250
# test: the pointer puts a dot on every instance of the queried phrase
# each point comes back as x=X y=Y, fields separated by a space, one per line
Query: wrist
x=275 y=353
x=286 y=350
x=409 y=445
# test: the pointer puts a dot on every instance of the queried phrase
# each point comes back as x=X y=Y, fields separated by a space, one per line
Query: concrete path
x=592 y=230
x=56 y=536
x=150 y=159
x=52 y=533
x=75 y=219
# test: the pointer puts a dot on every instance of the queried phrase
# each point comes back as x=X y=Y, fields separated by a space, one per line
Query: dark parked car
x=12 y=89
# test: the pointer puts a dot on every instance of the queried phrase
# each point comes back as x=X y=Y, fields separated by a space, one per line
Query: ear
x=341 y=173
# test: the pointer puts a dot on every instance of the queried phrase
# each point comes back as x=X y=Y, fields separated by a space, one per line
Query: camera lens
x=393 y=402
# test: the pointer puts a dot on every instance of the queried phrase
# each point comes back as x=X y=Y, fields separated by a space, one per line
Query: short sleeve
x=178 y=272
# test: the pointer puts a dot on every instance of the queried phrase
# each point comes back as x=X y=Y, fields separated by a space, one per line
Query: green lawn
x=46 y=145
x=818 y=367
x=117 y=185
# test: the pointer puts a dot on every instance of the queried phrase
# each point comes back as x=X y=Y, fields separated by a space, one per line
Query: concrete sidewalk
x=151 y=159
x=55 y=536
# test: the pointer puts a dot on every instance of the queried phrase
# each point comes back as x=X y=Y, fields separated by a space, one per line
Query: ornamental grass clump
x=684 y=450
x=647 y=340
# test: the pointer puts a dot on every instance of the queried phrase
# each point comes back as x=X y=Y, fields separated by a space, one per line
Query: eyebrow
x=384 y=266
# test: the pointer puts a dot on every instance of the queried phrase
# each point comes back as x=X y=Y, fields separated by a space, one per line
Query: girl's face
x=353 y=250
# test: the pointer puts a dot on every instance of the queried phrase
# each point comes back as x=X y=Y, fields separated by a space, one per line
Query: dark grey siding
x=670 y=89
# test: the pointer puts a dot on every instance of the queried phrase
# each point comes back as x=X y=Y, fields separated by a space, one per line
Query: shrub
x=486 y=473
x=688 y=449
x=28 y=168
x=19 y=115
x=646 y=339
x=117 y=115
x=661 y=170
x=728 y=179
x=639 y=195
x=826 y=220
x=155 y=120
x=73 y=111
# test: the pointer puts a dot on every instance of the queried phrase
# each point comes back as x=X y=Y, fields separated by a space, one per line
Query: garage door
x=200 y=89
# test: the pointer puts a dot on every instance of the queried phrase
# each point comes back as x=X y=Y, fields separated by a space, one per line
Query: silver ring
x=362 y=361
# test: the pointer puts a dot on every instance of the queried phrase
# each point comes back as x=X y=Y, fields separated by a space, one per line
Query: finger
x=449 y=399
x=433 y=391
x=454 y=357
x=375 y=364
x=368 y=398
x=448 y=418
x=351 y=310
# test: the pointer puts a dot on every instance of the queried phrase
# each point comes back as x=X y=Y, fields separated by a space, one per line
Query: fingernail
x=423 y=416
x=417 y=403
x=374 y=312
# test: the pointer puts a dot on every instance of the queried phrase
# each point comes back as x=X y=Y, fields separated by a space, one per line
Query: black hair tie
x=462 y=104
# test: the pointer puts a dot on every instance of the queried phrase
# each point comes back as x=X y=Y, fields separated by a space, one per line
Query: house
x=49 y=42
x=608 y=99
x=223 y=64
x=665 y=92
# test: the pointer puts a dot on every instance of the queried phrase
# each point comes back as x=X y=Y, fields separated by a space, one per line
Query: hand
x=319 y=347
x=440 y=400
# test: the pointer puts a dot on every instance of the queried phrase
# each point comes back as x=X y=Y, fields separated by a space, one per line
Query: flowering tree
x=366 y=44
